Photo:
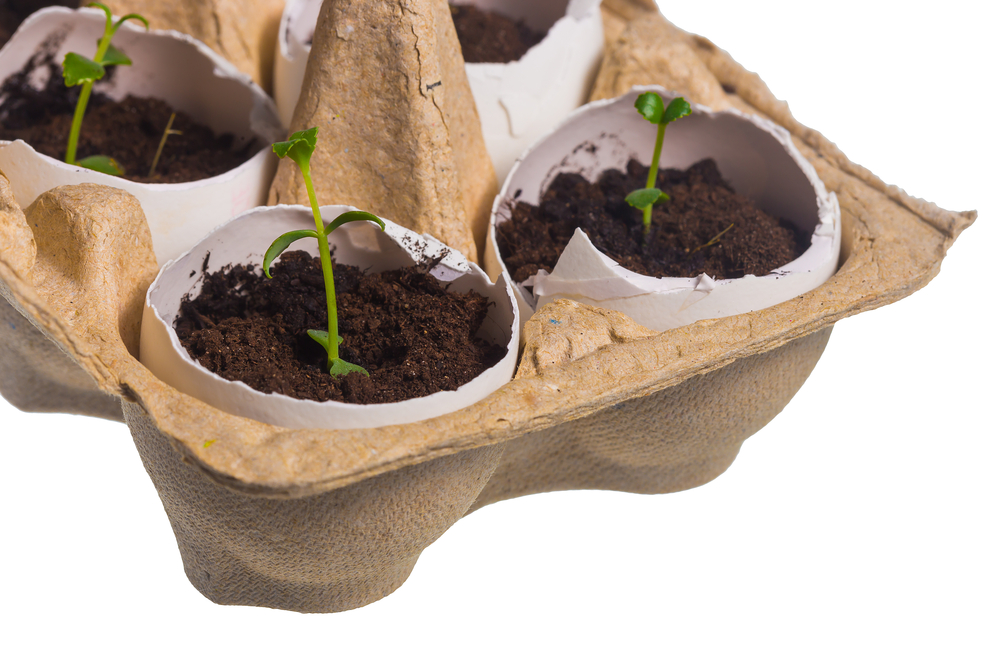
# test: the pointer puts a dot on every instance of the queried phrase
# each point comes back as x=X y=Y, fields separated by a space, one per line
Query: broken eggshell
x=754 y=155
x=517 y=102
x=245 y=239
x=187 y=75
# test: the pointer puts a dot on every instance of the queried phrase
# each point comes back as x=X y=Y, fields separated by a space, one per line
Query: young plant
x=78 y=70
x=299 y=148
x=650 y=106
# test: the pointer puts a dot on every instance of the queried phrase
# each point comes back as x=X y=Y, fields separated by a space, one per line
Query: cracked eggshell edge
x=517 y=102
x=756 y=156
x=192 y=78
x=245 y=239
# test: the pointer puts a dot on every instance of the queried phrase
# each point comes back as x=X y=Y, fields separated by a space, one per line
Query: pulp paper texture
x=192 y=79
x=755 y=156
x=398 y=129
x=286 y=518
x=651 y=51
x=517 y=102
x=244 y=240
x=241 y=31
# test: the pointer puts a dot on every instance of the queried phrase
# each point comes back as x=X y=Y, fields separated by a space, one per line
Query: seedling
x=299 y=148
x=650 y=106
x=78 y=70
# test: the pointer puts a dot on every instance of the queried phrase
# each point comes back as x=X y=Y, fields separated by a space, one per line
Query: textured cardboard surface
x=77 y=262
x=893 y=245
x=399 y=133
x=241 y=31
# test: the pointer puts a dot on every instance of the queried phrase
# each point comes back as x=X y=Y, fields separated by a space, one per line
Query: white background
x=860 y=527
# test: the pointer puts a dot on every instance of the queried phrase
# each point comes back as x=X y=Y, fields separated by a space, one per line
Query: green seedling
x=651 y=107
x=79 y=70
x=299 y=148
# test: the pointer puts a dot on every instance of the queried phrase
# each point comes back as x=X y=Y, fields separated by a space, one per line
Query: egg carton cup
x=317 y=520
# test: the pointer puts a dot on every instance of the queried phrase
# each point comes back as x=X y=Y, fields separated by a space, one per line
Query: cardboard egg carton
x=317 y=520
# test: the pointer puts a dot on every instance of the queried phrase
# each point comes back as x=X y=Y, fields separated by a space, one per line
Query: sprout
x=78 y=70
x=299 y=148
x=650 y=106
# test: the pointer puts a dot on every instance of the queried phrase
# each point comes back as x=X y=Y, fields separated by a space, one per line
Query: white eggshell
x=754 y=155
x=245 y=239
x=187 y=75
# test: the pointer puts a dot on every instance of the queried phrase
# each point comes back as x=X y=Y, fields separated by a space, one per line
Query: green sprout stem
x=81 y=103
x=333 y=342
x=651 y=107
x=654 y=168
x=299 y=148
x=80 y=70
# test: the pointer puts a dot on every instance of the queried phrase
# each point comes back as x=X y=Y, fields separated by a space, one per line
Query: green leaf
x=341 y=367
x=678 y=108
x=351 y=216
x=299 y=147
x=78 y=69
x=650 y=107
x=646 y=197
x=103 y=164
x=114 y=57
x=323 y=338
x=282 y=242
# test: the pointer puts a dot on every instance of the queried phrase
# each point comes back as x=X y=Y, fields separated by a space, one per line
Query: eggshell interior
x=190 y=77
x=245 y=239
x=754 y=155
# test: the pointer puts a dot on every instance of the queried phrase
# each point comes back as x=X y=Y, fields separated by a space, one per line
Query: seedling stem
x=650 y=106
x=77 y=69
x=299 y=148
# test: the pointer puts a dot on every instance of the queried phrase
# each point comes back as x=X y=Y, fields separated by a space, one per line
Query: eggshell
x=245 y=239
x=754 y=155
x=191 y=78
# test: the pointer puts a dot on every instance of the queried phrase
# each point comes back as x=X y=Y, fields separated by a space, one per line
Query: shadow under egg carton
x=321 y=521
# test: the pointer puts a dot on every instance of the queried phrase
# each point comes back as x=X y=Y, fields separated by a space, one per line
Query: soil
x=404 y=327
x=13 y=12
x=128 y=130
x=702 y=206
x=488 y=37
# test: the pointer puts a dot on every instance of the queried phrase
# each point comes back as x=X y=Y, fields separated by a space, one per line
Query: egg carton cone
x=319 y=520
x=237 y=30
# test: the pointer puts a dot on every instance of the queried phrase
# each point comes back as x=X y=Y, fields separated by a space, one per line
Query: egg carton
x=321 y=521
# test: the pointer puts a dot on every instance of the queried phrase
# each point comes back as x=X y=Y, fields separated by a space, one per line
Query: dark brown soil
x=488 y=37
x=702 y=206
x=412 y=335
x=13 y=12
x=129 y=130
